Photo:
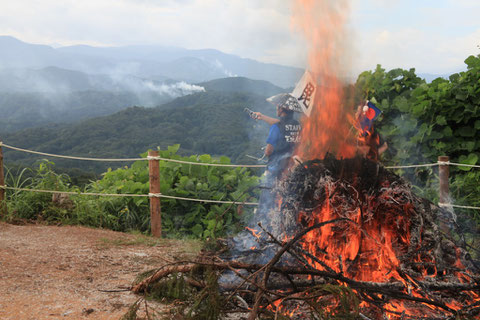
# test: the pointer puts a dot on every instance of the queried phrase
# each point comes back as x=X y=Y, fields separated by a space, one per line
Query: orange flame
x=366 y=251
x=254 y=232
x=324 y=25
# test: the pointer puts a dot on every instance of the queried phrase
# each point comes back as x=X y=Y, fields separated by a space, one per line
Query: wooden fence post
x=3 y=205
x=155 y=210
x=443 y=175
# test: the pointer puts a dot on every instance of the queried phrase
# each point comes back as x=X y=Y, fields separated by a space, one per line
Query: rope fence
x=150 y=195
x=438 y=163
x=213 y=164
x=446 y=205
x=462 y=165
x=134 y=159
x=413 y=166
x=443 y=164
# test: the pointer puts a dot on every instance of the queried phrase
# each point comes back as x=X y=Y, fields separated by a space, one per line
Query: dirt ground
x=62 y=272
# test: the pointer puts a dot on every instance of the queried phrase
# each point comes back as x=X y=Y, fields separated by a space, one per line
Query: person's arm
x=382 y=148
x=265 y=118
x=269 y=150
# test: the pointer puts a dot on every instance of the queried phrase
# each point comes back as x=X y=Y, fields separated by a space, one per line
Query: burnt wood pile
x=344 y=238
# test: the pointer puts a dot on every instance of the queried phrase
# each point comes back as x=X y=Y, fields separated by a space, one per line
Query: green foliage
x=171 y=288
x=422 y=121
x=56 y=208
x=180 y=217
x=391 y=91
x=205 y=303
x=208 y=303
x=131 y=314
x=33 y=205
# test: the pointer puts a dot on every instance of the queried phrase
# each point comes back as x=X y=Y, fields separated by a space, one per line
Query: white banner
x=305 y=92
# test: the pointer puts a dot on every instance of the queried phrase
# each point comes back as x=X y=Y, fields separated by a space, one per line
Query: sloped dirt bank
x=63 y=272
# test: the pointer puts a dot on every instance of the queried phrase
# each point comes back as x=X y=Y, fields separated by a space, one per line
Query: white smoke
x=152 y=93
x=174 y=90
x=123 y=78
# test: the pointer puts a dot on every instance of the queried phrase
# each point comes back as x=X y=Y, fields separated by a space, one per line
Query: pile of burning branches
x=346 y=239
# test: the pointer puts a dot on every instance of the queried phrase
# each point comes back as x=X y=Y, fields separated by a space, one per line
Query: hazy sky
x=434 y=36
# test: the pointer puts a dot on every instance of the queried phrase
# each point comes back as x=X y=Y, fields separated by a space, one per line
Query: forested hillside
x=212 y=123
x=241 y=84
x=69 y=96
x=22 y=110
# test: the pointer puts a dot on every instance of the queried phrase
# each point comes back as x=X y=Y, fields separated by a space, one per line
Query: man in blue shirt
x=284 y=134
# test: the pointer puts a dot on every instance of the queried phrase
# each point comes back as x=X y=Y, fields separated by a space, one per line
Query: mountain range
x=40 y=84
x=156 y=63
x=114 y=102
x=212 y=122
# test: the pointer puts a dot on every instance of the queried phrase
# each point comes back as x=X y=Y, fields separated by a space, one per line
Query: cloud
x=249 y=28
x=430 y=35
x=414 y=48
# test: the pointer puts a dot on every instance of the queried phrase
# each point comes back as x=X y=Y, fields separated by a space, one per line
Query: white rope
x=457 y=206
x=159 y=195
x=463 y=165
x=209 y=164
x=68 y=157
x=77 y=193
x=150 y=195
x=412 y=166
x=132 y=159
x=214 y=164
x=439 y=163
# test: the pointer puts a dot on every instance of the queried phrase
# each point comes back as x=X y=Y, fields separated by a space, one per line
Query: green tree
x=422 y=121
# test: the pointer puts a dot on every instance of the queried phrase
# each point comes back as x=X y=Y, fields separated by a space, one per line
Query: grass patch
x=137 y=239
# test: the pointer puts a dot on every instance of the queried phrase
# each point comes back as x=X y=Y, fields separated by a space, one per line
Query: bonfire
x=346 y=239
x=342 y=237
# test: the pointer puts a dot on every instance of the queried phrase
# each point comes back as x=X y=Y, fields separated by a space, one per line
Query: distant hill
x=45 y=80
x=208 y=122
x=23 y=109
x=241 y=84
x=52 y=80
x=35 y=97
x=17 y=54
x=146 y=62
x=430 y=77
x=20 y=110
